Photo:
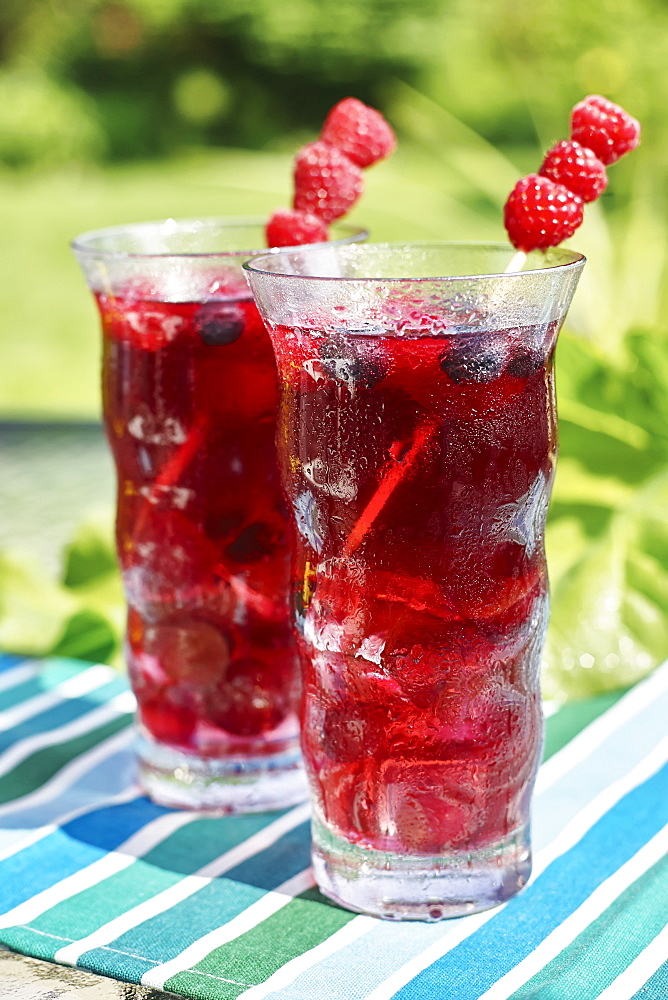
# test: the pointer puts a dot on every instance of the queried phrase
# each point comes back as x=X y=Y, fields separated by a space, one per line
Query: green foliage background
x=135 y=109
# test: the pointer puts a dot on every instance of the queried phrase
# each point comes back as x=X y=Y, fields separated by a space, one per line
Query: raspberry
x=327 y=183
x=289 y=228
x=604 y=127
x=577 y=168
x=540 y=213
x=358 y=131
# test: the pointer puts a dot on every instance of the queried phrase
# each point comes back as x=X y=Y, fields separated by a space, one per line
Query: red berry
x=540 y=213
x=327 y=183
x=166 y=721
x=604 y=127
x=251 y=699
x=358 y=131
x=289 y=228
x=577 y=168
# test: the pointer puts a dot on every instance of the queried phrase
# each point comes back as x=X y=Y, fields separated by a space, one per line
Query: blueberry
x=472 y=359
x=524 y=362
x=346 y=363
x=254 y=542
x=219 y=322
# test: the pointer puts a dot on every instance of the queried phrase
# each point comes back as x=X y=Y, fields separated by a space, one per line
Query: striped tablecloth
x=92 y=874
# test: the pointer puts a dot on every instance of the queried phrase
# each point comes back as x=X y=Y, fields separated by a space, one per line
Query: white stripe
x=33 y=836
x=291 y=970
x=126 y=854
x=74 y=687
x=582 y=745
x=639 y=971
x=186 y=887
x=119 y=705
x=19 y=674
x=578 y=921
x=269 y=904
x=70 y=773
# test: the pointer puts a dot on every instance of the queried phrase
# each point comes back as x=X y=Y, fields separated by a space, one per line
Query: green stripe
x=181 y=853
x=571 y=718
x=608 y=946
x=37 y=769
x=254 y=956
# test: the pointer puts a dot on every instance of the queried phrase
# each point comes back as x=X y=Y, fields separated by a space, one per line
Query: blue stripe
x=515 y=931
x=287 y=857
x=20 y=692
x=213 y=905
x=656 y=987
x=62 y=713
x=74 y=846
x=7 y=661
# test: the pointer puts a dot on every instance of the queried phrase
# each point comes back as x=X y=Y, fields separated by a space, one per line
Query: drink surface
x=419 y=466
x=189 y=394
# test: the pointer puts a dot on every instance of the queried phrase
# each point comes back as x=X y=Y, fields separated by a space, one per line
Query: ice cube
x=307 y=519
x=356 y=365
x=429 y=806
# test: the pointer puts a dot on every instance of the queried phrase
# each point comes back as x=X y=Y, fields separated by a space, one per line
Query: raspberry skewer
x=328 y=173
x=545 y=208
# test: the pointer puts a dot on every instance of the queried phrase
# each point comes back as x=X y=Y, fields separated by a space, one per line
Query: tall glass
x=189 y=397
x=418 y=440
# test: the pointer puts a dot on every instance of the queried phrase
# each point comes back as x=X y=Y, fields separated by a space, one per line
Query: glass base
x=414 y=887
x=224 y=785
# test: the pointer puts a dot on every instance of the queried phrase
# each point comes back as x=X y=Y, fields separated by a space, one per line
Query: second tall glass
x=189 y=394
x=418 y=440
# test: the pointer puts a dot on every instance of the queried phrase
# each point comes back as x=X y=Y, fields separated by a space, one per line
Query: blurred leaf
x=90 y=554
x=33 y=608
x=609 y=623
x=83 y=617
x=87 y=636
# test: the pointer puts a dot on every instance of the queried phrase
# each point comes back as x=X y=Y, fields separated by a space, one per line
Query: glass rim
x=573 y=260
x=84 y=242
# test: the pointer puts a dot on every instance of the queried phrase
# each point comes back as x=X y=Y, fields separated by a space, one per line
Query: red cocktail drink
x=189 y=393
x=418 y=443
